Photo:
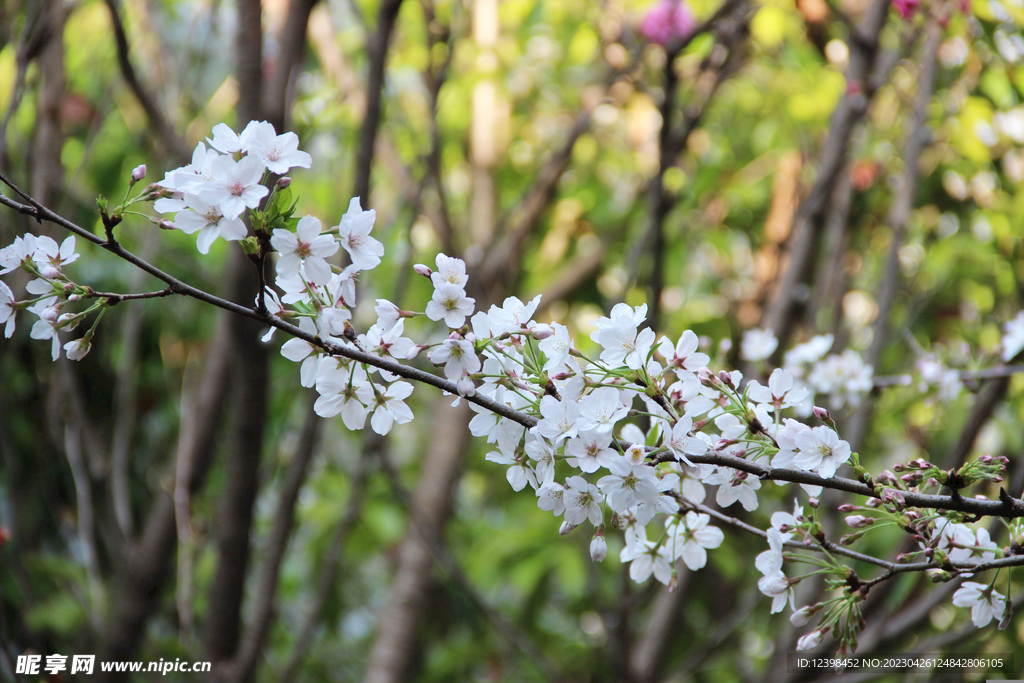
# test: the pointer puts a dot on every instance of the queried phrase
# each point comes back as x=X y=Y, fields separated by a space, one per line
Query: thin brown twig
x=158 y=121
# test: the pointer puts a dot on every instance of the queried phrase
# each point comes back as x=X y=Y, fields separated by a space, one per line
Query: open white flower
x=450 y=304
x=582 y=501
x=305 y=251
x=591 y=450
x=354 y=233
x=692 y=538
x=758 y=345
x=601 y=410
x=278 y=152
x=684 y=355
x=209 y=222
x=390 y=407
x=822 y=450
x=458 y=356
x=512 y=315
x=629 y=484
x=450 y=270
x=344 y=391
x=7 y=310
x=1013 y=339
x=986 y=604
x=235 y=185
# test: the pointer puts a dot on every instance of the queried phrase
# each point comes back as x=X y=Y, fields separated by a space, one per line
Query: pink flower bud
x=470 y=337
x=565 y=529
x=847 y=507
x=414 y=351
x=814 y=503
x=859 y=521
x=821 y=414
x=49 y=272
x=49 y=314
x=283 y=182
x=138 y=173
x=165 y=224
x=73 y=298
x=726 y=378
x=423 y=270
x=541 y=331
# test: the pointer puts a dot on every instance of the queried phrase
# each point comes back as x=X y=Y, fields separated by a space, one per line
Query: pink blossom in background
x=666 y=21
x=906 y=8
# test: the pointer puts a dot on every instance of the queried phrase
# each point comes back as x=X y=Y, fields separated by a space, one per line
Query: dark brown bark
x=161 y=128
x=249 y=390
x=244 y=665
x=399 y=623
x=150 y=559
x=377 y=49
x=290 y=47
x=810 y=219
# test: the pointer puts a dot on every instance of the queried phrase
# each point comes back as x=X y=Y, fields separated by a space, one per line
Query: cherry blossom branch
x=1006 y=507
x=963 y=375
x=792 y=545
x=41 y=213
x=114 y=298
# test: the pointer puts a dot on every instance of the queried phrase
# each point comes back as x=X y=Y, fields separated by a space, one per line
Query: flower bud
x=414 y=351
x=859 y=521
x=811 y=640
x=598 y=548
x=814 y=502
x=466 y=386
x=565 y=529
x=283 y=182
x=801 y=616
x=936 y=575
x=49 y=314
x=541 y=331
x=423 y=270
x=773 y=584
x=821 y=414
x=726 y=378
x=49 y=272
x=73 y=298
x=138 y=173
x=165 y=224
x=847 y=507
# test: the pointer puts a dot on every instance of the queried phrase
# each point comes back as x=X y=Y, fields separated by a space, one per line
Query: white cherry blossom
x=985 y=602
x=304 y=251
x=354 y=234
x=450 y=304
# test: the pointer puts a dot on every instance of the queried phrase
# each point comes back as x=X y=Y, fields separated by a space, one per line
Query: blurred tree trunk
x=399 y=622
x=249 y=390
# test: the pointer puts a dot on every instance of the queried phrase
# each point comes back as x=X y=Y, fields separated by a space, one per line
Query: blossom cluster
x=628 y=435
